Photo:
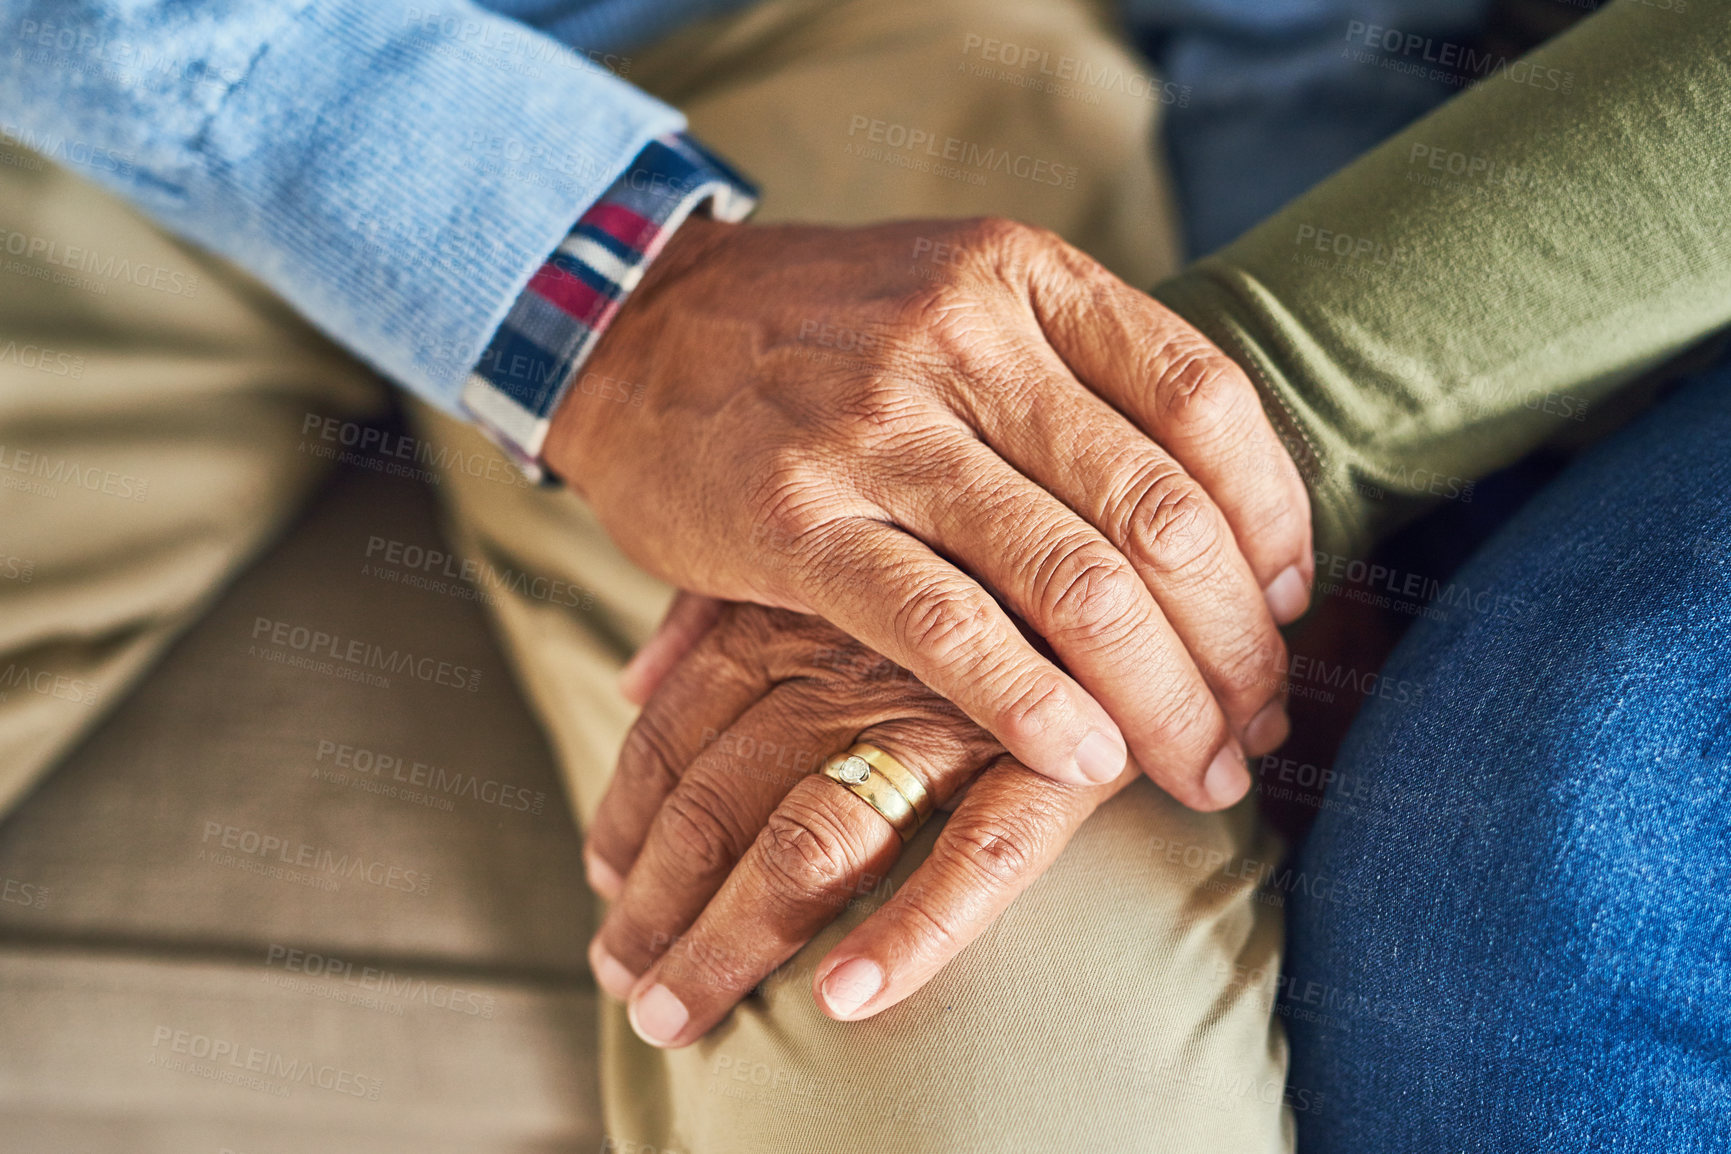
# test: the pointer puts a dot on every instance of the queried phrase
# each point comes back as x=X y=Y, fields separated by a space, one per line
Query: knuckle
x=1026 y=712
x=635 y=935
x=793 y=501
x=1085 y=589
x=1173 y=524
x=997 y=234
x=807 y=855
x=996 y=249
x=695 y=961
x=1184 y=726
x=891 y=422
x=647 y=762
x=945 y=322
x=1247 y=667
x=703 y=841
x=937 y=932
x=1013 y=253
x=928 y=722
x=943 y=623
x=1197 y=386
x=711 y=965
x=1001 y=849
x=1285 y=531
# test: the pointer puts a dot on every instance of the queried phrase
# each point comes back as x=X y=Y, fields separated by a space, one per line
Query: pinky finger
x=1012 y=824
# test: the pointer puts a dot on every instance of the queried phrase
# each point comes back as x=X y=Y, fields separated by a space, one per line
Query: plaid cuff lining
x=569 y=302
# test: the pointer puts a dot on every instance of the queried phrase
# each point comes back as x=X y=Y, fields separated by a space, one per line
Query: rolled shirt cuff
x=556 y=321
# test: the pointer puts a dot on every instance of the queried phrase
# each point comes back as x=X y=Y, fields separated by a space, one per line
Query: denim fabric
x=1521 y=939
x=1277 y=94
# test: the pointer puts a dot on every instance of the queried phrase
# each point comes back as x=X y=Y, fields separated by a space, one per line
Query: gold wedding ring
x=883 y=783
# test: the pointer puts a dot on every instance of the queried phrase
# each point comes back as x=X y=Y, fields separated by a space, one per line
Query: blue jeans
x=1515 y=932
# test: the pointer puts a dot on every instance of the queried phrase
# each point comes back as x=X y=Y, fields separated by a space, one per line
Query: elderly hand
x=723 y=853
x=899 y=427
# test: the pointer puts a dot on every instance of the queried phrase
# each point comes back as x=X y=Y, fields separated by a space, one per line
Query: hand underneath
x=931 y=453
x=723 y=853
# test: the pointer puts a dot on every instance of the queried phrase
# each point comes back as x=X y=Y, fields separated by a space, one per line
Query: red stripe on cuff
x=623 y=225
x=567 y=293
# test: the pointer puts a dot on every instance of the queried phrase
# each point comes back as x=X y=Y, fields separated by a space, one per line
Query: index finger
x=1154 y=367
x=948 y=632
x=822 y=848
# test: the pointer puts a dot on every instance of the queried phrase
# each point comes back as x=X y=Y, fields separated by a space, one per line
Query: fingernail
x=603 y=878
x=658 y=1016
x=610 y=973
x=1287 y=596
x=1268 y=728
x=851 y=985
x=1228 y=778
x=1101 y=758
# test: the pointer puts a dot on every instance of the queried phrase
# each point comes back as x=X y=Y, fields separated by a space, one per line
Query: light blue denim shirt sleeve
x=396 y=172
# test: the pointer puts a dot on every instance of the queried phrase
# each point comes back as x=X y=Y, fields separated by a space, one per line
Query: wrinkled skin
x=936 y=434
x=723 y=853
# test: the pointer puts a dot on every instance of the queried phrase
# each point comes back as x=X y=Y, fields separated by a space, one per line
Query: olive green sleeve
x=1423 y=317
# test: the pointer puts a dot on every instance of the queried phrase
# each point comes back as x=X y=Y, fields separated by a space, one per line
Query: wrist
x=610 y=386
x=543 y=349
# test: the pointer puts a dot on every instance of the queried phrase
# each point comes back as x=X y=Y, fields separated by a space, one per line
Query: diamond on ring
x=854 y=770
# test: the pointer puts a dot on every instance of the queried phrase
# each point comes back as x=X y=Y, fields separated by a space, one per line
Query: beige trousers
x=152 y=440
